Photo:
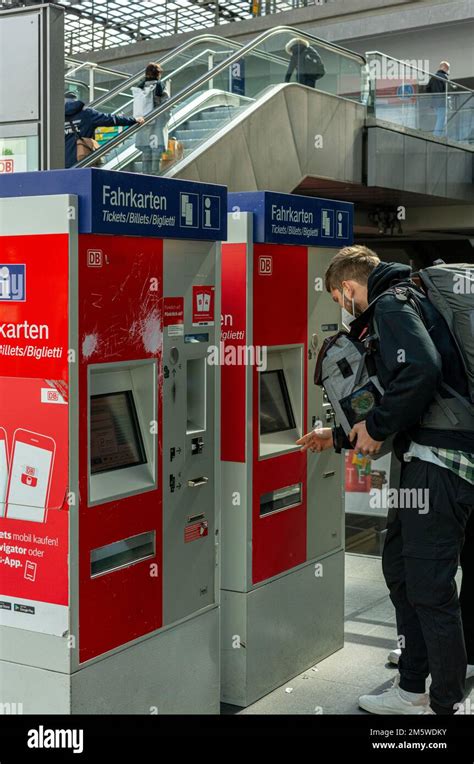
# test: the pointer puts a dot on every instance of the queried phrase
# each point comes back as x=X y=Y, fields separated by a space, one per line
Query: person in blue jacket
x=82 y=121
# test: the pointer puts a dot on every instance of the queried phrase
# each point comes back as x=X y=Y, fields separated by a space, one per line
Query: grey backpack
x=451 y=290
x=346 y=371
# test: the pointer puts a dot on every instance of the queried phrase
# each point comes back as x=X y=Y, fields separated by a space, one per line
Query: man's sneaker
x=390 y=702
x=394 y=656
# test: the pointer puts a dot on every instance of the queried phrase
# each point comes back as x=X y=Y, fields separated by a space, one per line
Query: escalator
x=215 y=84
x=358 y=132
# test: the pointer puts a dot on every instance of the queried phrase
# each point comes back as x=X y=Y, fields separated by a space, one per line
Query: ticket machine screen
x=276 y=413
x=116 y=440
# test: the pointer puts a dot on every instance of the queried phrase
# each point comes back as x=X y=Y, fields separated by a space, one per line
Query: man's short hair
x=445 y=64
x=351 y=263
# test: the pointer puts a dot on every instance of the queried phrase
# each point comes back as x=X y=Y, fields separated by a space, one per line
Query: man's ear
x=348 y=289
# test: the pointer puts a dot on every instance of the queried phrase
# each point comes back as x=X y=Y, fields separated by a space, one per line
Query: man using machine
x=421 y=553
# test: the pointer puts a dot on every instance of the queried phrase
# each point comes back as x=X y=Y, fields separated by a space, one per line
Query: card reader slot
x=195 y=518
x=121 y=554
x=196 y=482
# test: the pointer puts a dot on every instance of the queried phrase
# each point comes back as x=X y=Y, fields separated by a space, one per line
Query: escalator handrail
x=200 y=39
x=205 y=52
x=185 y=92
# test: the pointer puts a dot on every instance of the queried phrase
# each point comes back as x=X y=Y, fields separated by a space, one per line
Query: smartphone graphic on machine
x=3 y=470
x=30 y=476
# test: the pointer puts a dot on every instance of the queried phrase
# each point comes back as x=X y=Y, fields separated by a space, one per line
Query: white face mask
x=347 y=317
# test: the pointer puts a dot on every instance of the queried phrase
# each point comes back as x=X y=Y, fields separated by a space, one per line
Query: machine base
x=174 y=672
x=283 y=627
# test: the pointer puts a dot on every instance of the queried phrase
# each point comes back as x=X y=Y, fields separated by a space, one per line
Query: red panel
x=119 y=320
x=234 y=335
x=33 y=361
x=33 y=555
x=280 y=316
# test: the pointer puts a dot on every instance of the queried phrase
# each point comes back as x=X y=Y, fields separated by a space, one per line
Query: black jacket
x=436 y=85
x=297 y=61
x=85 y=121
x=411 y=377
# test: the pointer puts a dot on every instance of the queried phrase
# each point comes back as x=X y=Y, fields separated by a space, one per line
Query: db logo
x=95 y=258
x=6 y=165
x=265 y=266
x=28 y=479
x=52 y=395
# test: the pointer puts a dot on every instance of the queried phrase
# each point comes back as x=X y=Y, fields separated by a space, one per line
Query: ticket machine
x=282 y=510
x=108 y=480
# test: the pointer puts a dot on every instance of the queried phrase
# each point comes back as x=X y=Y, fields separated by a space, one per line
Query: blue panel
x=130 y=204
x=293 y=219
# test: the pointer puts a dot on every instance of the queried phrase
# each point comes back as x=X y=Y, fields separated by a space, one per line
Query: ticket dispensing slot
x=282 y=498
x=121 y=554
x=281 y=401
x=196 y=395
x=122 y=440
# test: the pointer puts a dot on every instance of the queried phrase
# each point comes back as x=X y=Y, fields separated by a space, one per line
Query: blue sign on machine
x=237 y=77
x=130 y=204
x=293 y=219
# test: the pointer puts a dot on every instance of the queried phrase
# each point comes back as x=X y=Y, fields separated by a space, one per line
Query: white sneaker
x=394 y=656
x=390 y=702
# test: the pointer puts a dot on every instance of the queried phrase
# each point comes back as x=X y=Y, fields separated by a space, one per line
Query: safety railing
x=90 y=80
x=406 y=94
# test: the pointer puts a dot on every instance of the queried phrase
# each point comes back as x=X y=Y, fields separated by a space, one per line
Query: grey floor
x=333 y=686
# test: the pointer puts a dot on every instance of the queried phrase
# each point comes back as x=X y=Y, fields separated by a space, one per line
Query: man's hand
x=316 y=440
x=140 y=120
x=363 y=442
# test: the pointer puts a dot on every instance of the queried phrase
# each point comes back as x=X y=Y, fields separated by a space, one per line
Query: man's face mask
x=348 y=316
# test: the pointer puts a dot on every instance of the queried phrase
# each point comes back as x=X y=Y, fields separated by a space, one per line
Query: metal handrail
x=205 y=52
x=417 y=68
x=110 y=145
x=93 y=65
x=169 y=57
x=200 y=39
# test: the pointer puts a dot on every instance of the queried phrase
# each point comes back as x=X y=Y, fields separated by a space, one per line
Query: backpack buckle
x=370 y=343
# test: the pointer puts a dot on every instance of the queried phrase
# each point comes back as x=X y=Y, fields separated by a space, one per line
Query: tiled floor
x=333 y=686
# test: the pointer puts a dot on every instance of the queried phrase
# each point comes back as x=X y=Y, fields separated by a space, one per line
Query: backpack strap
x=360 y=368
x=408 y=292
x=74 y=127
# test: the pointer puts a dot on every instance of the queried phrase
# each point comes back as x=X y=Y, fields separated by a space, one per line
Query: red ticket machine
x=282 y=510
x=108 y=481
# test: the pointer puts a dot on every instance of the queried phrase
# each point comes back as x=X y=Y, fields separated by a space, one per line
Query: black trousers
x=466 y=596
x=420 y=561
x=307 y=79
